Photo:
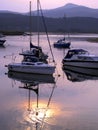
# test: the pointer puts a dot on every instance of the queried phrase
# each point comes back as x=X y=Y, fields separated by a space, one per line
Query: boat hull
x=35 y=69
x=83 y=70
x=62 y=45
x=81 y=64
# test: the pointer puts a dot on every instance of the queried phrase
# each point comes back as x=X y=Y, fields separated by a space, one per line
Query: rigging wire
x=47 y=35
x=46 y=31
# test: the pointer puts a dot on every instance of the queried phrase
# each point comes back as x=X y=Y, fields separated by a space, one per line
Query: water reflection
x=73 y=105
x=38 y=113
x=31 y=78
x=81 y=74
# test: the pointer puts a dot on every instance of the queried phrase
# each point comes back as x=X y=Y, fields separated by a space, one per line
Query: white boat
x=32 y=64
x=79 y=58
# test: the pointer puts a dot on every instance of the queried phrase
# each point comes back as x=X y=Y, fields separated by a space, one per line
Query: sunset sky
x=23 y=5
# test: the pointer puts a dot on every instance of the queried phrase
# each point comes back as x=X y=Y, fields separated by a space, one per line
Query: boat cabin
x=30 y=59
x=72 y=52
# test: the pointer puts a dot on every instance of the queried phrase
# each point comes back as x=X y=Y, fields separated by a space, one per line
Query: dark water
x=45 y=105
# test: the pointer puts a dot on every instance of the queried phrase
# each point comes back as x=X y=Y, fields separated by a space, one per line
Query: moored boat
x=33 y=61
x=80 y=58
x=62 y=44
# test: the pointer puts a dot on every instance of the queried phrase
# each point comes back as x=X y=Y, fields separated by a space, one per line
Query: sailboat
x=31 y=63
x=35 y=52
x=62 y=43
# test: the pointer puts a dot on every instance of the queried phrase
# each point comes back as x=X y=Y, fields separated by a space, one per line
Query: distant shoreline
x=12 y=33
x=50 y=33
x=92 y=40
x=16 y=33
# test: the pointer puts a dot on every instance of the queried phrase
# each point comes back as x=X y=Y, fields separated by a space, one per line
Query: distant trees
x=20 y=23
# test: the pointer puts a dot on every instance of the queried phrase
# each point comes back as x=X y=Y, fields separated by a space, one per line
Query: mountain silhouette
x=71 y=10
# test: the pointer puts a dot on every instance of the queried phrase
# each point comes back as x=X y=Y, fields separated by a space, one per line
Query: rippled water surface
x=32 y=102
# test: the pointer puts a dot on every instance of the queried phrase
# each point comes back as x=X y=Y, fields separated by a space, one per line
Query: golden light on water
x=40 y=112
x=43 y=114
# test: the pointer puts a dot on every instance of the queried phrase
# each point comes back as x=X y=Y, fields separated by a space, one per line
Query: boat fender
x=11 y=67
x=6 y=65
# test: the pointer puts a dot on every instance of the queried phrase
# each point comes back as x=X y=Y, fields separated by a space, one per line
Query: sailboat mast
x=30 y=26
x=65 y=21
x=46 y=30
x=64 y=24
x=38 y=20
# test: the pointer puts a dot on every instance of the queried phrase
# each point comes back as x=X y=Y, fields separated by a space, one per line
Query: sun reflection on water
x=42 y=115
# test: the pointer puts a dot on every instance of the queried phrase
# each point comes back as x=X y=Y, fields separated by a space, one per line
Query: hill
x=19 y=22
x=71 y=10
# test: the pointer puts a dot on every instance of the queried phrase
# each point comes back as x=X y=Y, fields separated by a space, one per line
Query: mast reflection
x=38 y=112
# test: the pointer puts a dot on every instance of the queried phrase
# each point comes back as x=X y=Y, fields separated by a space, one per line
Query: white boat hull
x=82 y=64
x=35 y=69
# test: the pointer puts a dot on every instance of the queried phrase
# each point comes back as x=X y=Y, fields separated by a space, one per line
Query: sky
x=23 y=5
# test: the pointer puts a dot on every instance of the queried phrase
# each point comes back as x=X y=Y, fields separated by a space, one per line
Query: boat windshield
x=75 y=52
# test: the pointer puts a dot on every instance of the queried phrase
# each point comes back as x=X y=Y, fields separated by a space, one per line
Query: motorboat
x=80 y=58
x=61 y=43
x=80 y=75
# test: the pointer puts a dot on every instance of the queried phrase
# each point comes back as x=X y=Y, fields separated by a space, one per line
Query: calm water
x=64 y=105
